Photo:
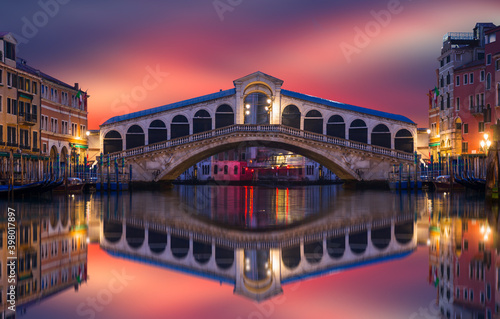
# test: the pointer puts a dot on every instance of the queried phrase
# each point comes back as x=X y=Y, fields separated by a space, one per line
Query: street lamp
x=485 y=142
x=428 y=131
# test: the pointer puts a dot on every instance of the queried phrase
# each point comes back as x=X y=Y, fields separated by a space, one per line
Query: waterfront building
x=464 y=103
x=63 y=120
x=19 y=116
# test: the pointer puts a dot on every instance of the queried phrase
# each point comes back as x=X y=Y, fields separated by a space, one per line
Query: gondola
x=32 y=188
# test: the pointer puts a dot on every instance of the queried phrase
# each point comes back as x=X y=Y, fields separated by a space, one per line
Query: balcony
x=27 y=119
x=13 y=144
x=24 y=147
x=477 y=110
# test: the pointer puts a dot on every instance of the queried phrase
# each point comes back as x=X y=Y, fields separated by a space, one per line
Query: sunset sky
x=201 y=46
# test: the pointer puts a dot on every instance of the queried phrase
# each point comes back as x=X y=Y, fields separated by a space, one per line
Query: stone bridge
x=353 y=142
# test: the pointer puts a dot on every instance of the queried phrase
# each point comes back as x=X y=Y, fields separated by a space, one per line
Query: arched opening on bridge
x=134 y=236
x=404 y=232
x=291 y=116
x=336 y=246
x=112 y=231
x=202 y=122
x=179 y=246
x=257 y=265
x=64 y=218
x=224 y=257
x=257 y=107
x=291 y=256
x=381 y=238
x=157 y=241
x=179 y=127
x=381 y=136
x=335 y=126
x=358 y=131
x=54 y=218
x=358 y=242
x=202 y=252
x=157 y=132
x=135 y=137
x=313 y=252
x=313 y=122
x=403 y=141
x=112 y=142
x=224 y=116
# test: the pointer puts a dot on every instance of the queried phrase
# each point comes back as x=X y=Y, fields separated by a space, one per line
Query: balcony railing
x=27 y=118
x=24 y=147
x=458 y=36
x=14 y=144
x=477 y=110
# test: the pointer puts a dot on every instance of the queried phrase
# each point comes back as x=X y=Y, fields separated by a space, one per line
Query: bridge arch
x=381 y=237
x=291 y=116
x=134 y=236
x=157 y=132
x=179 y=126
x=179 y=246
x=336 y=126
x=112 y=142
x=358 y=131
x=313 y=252
x=184 y=159
x=381 y=136
x=202 y=252
x=135 y=137
x=224 y=116
x=336 y=246
x=113 y=231
x=291 y=256
x=358 y=242
x=404 y=232
x=157 y=241
x=313 y=122
x=224 y=257
x=202 y=121
x=403 y=141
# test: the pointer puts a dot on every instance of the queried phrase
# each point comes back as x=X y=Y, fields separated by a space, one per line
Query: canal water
x=254 y=252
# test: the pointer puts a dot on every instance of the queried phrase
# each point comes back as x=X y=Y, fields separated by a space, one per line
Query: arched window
x=336 y=126
x=202 y=122
x=313 y=122
x=135 y=137
x=235 y=170
x=226 y=169
x=112 y=142
x=291 y=116
x=257 y=107
x=179 y=127
x=381 y=136
x=224 y=116
x=358 y=131
x=157 y=132
x=216 y=169
x=404 y=141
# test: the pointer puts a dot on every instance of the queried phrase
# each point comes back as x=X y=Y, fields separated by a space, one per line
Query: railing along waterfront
x=269 y=128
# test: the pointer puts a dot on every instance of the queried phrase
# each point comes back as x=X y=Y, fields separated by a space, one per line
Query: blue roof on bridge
x=167 y=107
x=347 y=107
x=225 y=93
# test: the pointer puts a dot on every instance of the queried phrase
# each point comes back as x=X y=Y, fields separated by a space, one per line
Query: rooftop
x=21 y=65
x=471 y=65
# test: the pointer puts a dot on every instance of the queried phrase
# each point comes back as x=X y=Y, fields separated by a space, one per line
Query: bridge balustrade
x=262 y=128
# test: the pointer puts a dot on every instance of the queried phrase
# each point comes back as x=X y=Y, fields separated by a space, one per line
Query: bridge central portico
x=353 y=142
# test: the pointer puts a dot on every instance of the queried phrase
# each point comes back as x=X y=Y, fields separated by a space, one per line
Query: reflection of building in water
x=257 y=263
x=52 y=252
x=467 y=268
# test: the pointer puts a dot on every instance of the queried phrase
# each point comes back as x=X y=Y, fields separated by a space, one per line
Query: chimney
x=77 y=86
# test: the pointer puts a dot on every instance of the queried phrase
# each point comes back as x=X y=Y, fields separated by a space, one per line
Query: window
x=448 y=102
x=466 y=295
x=226 y=169
x=1 y=108
x=11 y=136
x=481 y=76
x=471 y=294
x=488 y=81
x=82 y=130
x=497 y=65
x=74 y=129
x=442 y=81
x=465 y=147
x=35 y=146
x=458 y=104
x=471 y=78
x=488 y=59
x=481 y=297
x=487 y=114
x=448 y=79
x=44 y=148
x=1 y=77
x=1 y=141
x=10 y=50
x=448 y=59
x=35 y=88
x=488 y=291
x=457 y=80
x=457 y=295
x=481 y=127
x=466 y=79
x=235 y=170
x=216 y=169
x=471 y=102
x=441 y=62
x=442 y=103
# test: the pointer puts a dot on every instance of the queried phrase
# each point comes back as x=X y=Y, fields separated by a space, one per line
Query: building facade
x=464 y=103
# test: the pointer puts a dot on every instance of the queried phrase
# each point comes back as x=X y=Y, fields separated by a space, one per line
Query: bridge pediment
x=258 y=76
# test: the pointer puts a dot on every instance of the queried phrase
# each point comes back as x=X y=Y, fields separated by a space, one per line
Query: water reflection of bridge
x=258 y=263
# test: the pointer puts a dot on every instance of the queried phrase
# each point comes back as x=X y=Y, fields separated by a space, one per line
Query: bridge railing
x=263 y=128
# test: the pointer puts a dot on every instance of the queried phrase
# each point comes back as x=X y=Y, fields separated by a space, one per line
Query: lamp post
x=485 y=143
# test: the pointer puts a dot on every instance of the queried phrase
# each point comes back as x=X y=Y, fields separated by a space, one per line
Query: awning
x=434 y=144
x=78 y=145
